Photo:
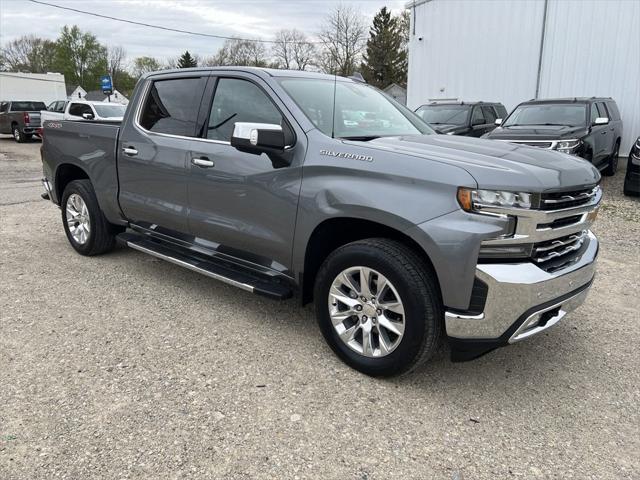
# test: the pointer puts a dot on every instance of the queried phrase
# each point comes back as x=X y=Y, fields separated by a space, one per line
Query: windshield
x=362 y=112
x=571 y=115
x=110 y=110
x=27 y=106
x=444 y=114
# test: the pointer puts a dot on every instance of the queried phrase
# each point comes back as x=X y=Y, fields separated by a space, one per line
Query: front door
x=478 y=122
x=240 y=204
x=152 y=153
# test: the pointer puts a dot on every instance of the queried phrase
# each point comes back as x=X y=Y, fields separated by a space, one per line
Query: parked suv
x=632 y=176
x=21 y=119
x=590 y=128
x=471 y=119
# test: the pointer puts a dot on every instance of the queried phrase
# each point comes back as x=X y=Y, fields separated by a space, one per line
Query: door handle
x=603 y=133
x=202 y=162
x=132 y=152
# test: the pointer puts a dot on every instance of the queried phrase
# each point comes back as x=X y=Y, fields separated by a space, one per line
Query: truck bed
x=92 y=147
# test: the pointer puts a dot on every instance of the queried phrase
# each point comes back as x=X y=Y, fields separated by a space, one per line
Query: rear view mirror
x=257 y=138
x=498 y=121
x=601 y=121
x=87 y=116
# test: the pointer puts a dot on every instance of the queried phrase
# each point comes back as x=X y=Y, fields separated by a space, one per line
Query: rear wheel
x=87 y=229
x=378 y=307
x=18 y=136
x=612 y=166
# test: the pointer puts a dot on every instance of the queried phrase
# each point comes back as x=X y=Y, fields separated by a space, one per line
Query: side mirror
x=601 y=121
x=498 y=121
x=88 y=116
x=258 y=138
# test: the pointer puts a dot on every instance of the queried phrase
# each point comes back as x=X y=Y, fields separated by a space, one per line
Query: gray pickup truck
x=20 y=119
x=290 y=183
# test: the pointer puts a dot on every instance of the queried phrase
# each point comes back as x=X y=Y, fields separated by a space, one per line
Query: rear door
x=490 y=116
x=152 y=153
x=241 y=204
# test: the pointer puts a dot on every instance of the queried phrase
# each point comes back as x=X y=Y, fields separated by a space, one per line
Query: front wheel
x=87 y=229
x=378 y=307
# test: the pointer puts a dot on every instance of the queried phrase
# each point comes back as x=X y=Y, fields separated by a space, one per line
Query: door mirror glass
x=257 y=138
x=601 y=121
x=87 y=116
x=498 y=121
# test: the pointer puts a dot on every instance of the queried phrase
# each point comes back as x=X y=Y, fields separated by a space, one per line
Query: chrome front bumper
x=523 y=300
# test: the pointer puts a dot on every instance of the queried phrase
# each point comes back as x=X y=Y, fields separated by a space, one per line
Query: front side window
x=361 y=111
x=602 y=110
x=569 y=114
x=78 y=109
x=444 y=114
x=172 y=106
x=594 y=113
x=237 y=100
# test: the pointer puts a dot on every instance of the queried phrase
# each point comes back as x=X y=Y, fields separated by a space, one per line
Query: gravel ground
x=126 y=367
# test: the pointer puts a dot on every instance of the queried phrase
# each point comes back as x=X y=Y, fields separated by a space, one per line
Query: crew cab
x=472 y=119
x=20 y=118
x=262 y=179
x=84 y=110
x=590 y=128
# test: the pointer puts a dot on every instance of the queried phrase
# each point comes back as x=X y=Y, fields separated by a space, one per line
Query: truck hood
x=495 y=165
x=537 y=132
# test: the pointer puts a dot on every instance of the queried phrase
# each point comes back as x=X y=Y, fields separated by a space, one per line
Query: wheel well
x=336 y=232
x=67 y=173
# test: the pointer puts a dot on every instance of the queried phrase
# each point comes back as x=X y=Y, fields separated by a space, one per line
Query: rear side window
x=477 y=118
x=238 y=100
x=594 y=113
x=489 y=114
x=77 y=109
x=501 y=111
x=27 y=106
x=172 y=106
x=613 y=110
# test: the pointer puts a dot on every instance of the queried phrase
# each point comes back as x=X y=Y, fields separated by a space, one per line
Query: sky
x=258 y=19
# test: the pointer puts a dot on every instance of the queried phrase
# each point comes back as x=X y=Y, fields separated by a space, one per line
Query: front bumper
x=536 y=299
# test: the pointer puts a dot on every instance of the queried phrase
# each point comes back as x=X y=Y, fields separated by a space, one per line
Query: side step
x=238 y=277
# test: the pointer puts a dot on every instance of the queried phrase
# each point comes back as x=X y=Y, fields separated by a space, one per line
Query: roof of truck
x=271 y=72
x=567 y=100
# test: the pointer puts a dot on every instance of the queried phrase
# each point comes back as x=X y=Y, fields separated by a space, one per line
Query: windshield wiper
x=361 y=138
x=552 y=124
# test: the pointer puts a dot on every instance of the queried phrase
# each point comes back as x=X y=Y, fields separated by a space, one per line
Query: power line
x=159 y=27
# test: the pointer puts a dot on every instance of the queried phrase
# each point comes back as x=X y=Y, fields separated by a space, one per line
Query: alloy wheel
x=366 y=311
x=78 y=219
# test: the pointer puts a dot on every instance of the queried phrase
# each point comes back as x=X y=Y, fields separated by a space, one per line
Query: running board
x=249 y=281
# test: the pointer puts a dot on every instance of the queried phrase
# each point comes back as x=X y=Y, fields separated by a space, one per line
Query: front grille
x=560 y=247
x=575 y=198
x=560 y=222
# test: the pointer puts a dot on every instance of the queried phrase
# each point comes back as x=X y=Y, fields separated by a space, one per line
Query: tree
x=385 y=60
x=142 y=65
x=342 y=36
x=246 y=53
x=28 y=54
x=116 y=59
x=292 y=50
x=187 y=61
x=80 y=58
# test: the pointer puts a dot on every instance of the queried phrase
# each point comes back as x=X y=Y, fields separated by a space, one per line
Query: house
x=507 y=51
x=397 y=92
x=96 y=96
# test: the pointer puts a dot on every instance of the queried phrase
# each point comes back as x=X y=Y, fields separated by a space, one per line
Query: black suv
x=587 y=127
x=471 y=119
x=632 y=177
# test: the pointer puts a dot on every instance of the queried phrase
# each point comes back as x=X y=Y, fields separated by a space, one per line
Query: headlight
x=451 y=133
x=568 y=145
x=474 y=200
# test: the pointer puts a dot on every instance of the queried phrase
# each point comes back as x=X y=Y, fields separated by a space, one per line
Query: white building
x=39 y=87
x=512 y=51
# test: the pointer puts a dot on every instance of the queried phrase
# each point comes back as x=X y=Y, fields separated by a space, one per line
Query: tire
x=409 y=278
x=100 y=237
x=612 y=162
x=18 y=136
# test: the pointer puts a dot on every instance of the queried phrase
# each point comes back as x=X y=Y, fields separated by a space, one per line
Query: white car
x=82 y=110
